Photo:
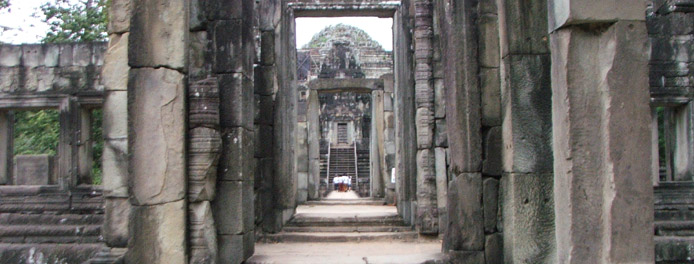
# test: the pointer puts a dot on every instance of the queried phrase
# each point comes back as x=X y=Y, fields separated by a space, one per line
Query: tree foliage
x=4 y=4
x=82 y=21
x=36 y=132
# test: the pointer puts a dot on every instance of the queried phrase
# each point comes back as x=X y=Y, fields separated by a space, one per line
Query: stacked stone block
x=426 y=209
x=600 y=114
x=115 y=127
x=464 y=237
x=526 y=128
x=157 y=53
x=229 y=27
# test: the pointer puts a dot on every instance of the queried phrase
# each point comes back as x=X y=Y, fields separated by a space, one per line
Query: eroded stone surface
x=157 y=136
x=158 y=234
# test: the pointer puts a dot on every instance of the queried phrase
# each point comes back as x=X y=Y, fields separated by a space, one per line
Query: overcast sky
x=380 y=29
x=19 y=24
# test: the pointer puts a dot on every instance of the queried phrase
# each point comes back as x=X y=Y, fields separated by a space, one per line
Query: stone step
x=674 y=228
x=48 y=253
x=346 y=229
x=364 y=201
x=48 y=219
x=432 y=258
x=50 y=233
x=674 y=249
x=346 y=221
x=301 y=237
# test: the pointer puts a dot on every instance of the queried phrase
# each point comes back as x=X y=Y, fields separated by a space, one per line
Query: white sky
x=380 y=29
x=17 y=25
x=21 y=23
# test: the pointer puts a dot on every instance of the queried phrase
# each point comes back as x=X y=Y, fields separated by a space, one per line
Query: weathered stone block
x=492 y=152
x=267 y=84
x=199 y=56
x=490 y=85
x=424 y=121
x=203 y=156
x=114 y=74
x=489 y=40
x=302 y=187
x=229 y=10
x=51 y=55
x=465 y=229
x=82 y=54
x=198 y=14
x=158 y=34
x=158 y=234
x=263 y=141
x=116 y=220
x=528 y=218
x=527 y=104
x=203 y=238
x=441 y=178
x=156 y=115
x=523 y=27
x=471 y=257
x=490 y=201
x=236 y=101
x=264 y=109
x=10 y=55
x=237 y=162
x=609 y=163
x=564 y=13
x=234 y=249
x=233 y=47
x=441 y=133
x=115 y=122
x=33 y=170
x=115 y=168
x=233 y=207
x=267 y=48
x=32 y=55
x=494 y=249
x=119 y=13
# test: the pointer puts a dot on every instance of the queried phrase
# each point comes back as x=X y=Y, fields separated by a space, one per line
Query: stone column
x=376 y=144
x=233 y=52
x=405 y=142
x=115 y=127
x=6 y=150
x=426 y=213
x=601 y=117
x=465 y=224
x=157 y=53
x=313 y=145
x=285 y=125
x=526 y=132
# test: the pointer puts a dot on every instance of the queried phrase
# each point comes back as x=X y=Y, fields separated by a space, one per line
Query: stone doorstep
x=301 y=237
x=347 y=229
x=346 y=221
x=7 y=231
x=44 y=219
x=66 y=253
x=674 y=228
x=362 y=201
x=433 y=258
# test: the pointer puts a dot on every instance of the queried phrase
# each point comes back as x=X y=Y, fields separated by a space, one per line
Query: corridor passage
x=343 y=228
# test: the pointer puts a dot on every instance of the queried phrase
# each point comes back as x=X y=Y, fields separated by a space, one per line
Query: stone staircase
x=674 y=222
x=347 y=231
x=46 y=225
x=342 y=163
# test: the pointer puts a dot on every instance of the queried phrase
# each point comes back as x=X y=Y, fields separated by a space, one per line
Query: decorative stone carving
x=204 y=103
x=203 y=156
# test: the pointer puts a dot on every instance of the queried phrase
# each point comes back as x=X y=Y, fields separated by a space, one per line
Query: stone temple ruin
x=540 y=131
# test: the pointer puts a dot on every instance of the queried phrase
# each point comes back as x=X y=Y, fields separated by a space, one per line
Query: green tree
x=36 y=132
x=83 y=21
x=4 y=4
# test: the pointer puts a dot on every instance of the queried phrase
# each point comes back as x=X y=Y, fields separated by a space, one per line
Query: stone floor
x=353 y=230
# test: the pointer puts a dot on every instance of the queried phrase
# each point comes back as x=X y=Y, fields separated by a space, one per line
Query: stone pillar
x=526 y=132
x=313 y=145
x=601 y=120
x=285 y=125
x=233 y=51
x=426 y=213
x=405 y=142
x=157 y=51
x=376 y=144
x=115 y=127
x=465 y=224
x=6 y=150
